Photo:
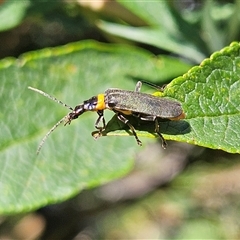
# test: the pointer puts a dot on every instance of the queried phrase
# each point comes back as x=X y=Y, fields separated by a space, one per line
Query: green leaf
x=167 y=29
x=215 y=36
x=154 y=14
x=71 y=159
x=233 y=25
x=12 y=13
x=155 y=37
x=210 y=94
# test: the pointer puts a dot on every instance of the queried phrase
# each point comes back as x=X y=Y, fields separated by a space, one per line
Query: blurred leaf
x=155 y=37
x=167 y=29
x=70 y=160
x=154 y=14
x=213 y=35
x=164 y=214
x=201 y=229
x=167 y=62
x=12 y=13
x=233 y=24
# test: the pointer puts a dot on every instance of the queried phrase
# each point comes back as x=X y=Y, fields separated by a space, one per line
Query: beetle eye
x=111 y=104
x=111 y=101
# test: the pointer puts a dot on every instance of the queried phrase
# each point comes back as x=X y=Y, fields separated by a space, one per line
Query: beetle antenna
x=66 y=118
x=48 y=133
x=50 y=97
x=161 y=89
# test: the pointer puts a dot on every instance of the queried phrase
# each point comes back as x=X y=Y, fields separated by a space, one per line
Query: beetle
x=144 y=106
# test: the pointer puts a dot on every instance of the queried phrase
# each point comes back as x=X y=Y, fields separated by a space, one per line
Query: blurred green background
x=183 y=192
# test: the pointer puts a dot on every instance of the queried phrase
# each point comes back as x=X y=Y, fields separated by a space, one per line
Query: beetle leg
x=126 y=121
x=138 y=86
x=164 y=143
x=153 y=118
x=100 y=119
x=147 y=118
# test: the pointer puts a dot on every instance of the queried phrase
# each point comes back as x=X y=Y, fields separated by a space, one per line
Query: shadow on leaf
x=116 y=127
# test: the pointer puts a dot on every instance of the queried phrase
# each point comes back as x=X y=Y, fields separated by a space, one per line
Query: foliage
x=192 y=34
x=71 y=160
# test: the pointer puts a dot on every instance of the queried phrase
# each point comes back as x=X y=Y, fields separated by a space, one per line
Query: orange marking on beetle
x=101 y=102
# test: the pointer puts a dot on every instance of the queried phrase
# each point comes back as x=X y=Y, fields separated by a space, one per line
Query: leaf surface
x=70 y=159
x=210 y=94
x=210 y=97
